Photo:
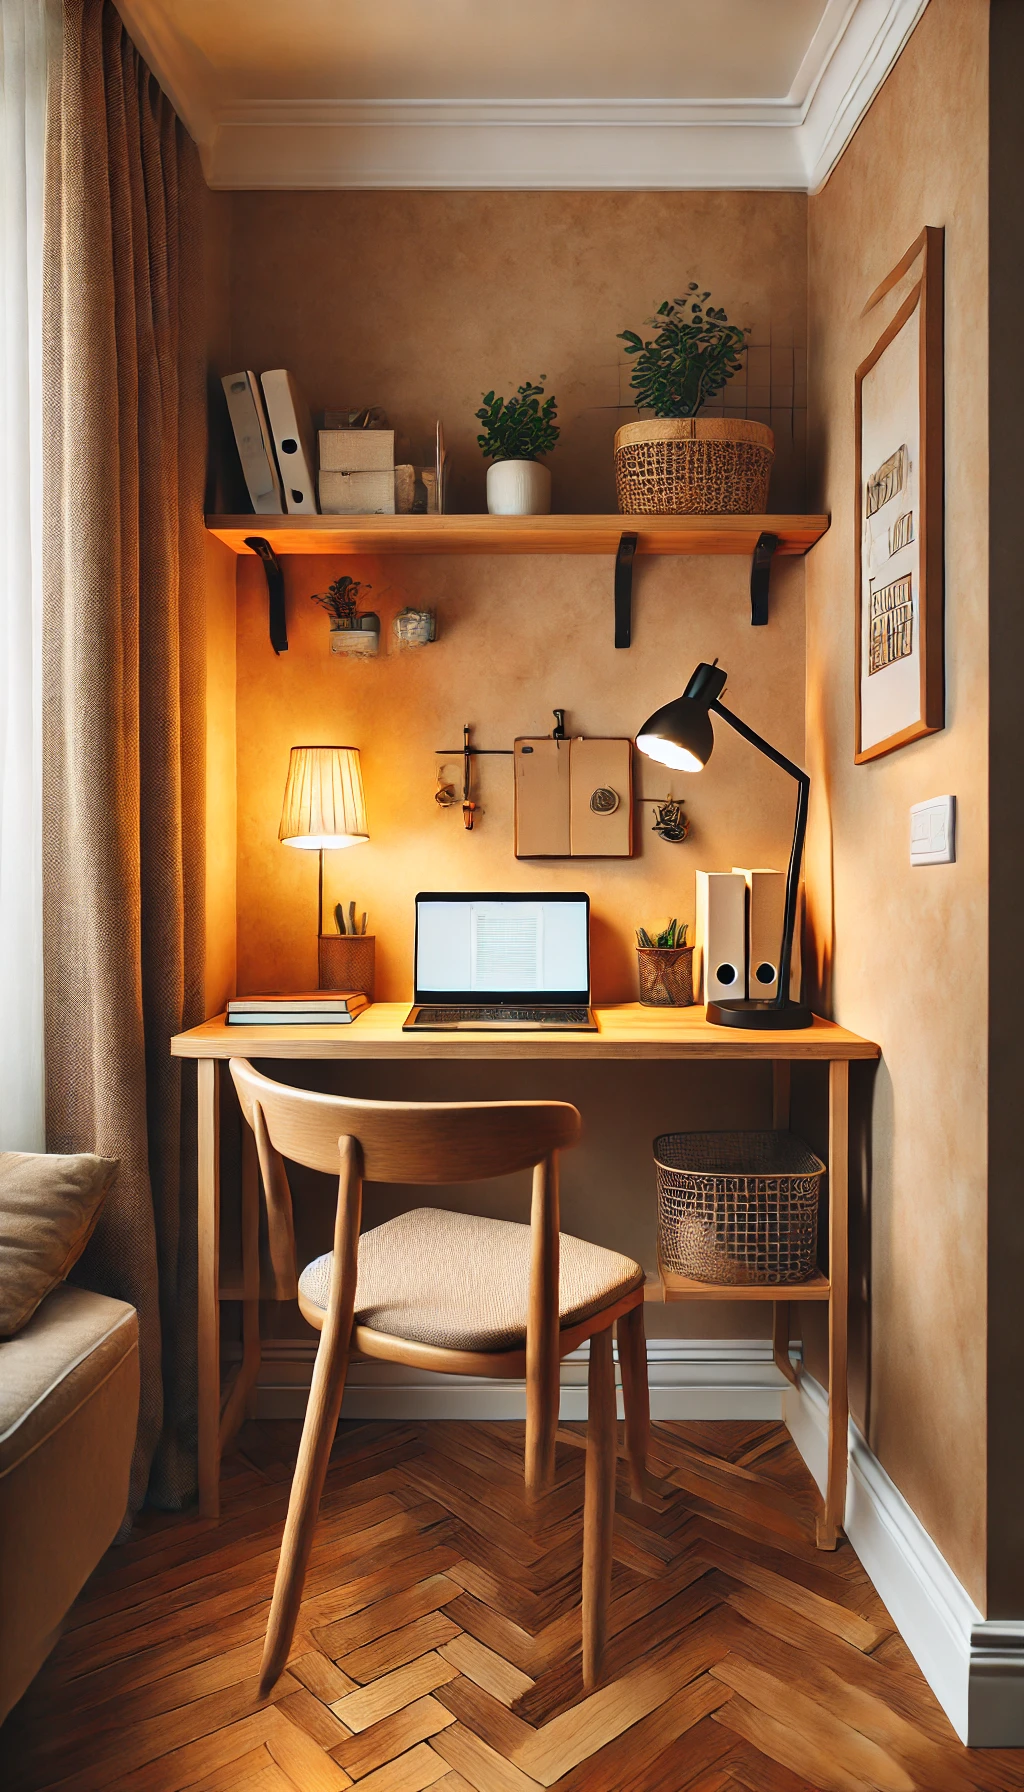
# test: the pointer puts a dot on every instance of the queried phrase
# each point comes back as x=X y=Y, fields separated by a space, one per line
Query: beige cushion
x=69 y=1400
x=48 y=1207
x=462 y=1283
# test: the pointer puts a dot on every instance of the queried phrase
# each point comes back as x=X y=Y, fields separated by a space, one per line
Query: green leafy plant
x=341 y=599
x=695 y=353
x=521 y=428
x=672 y=935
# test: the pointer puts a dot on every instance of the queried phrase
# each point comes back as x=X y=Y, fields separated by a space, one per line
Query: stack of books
x=321 y=1008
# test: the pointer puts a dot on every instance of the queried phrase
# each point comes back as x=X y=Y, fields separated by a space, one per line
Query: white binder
x=292 y=431
x=248 y=420
x=721 y=935
x=766 y=904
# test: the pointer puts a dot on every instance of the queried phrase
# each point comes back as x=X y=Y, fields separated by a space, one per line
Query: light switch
x=933 y=831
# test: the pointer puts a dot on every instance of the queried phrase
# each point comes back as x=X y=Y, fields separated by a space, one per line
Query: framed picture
x=900 y=689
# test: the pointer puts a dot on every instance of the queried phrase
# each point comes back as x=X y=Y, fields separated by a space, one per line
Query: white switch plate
x=933 y=831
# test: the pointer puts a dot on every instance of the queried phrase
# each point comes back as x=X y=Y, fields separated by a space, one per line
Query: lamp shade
x=323 y=799
x=680 y=734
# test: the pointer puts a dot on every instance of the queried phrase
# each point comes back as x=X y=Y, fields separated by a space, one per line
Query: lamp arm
x=796 y=851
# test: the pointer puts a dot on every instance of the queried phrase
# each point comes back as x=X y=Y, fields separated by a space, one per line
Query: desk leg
x=238 y=1397
x=209 y=1286
x=830 y=1519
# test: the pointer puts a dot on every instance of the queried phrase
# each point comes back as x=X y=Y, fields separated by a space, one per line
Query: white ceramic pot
x=518 y=488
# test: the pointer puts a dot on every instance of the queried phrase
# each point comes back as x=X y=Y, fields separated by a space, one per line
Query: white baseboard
x=689 y=1379
x=975 y=1668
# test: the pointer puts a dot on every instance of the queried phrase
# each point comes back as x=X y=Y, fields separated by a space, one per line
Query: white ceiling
x=535 y=93
x=476 y=49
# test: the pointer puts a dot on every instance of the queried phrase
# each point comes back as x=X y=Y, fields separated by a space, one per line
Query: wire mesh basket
x=665 y=975
x=738 y=1207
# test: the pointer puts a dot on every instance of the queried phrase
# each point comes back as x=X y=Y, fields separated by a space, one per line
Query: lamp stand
x=778 y=1012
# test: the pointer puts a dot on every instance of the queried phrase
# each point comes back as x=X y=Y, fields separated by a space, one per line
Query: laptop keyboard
x=454 y=1017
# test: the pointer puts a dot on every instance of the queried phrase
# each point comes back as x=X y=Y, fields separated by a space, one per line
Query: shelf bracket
x=760 y=577
x=275 y=591
x=624 y=590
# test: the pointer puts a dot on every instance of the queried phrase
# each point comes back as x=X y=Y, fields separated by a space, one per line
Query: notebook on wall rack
x=491 y=961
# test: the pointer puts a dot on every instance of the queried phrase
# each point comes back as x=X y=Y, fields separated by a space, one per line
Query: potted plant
x=676 y=462
x=353 y=630
x=515 y=432
x=665 y=967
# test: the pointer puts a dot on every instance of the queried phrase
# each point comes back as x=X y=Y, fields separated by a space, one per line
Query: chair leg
x=318 y=1432
x=599 y=1509
x=321 y=1423
x=636 y=1398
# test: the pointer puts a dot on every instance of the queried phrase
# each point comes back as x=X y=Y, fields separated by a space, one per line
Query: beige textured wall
x=902 y=954
x=419 y=301
x=422 y=302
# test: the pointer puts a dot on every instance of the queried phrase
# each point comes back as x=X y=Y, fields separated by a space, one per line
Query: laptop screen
x=485 y=947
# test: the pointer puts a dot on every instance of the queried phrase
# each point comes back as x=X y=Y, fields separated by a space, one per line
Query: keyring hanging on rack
x=444 y=793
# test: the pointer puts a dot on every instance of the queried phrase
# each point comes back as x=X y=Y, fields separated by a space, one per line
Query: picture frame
x=898 y=515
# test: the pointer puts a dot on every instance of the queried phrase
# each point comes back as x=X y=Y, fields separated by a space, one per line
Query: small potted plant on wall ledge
x=676 y=463
x=514 y=435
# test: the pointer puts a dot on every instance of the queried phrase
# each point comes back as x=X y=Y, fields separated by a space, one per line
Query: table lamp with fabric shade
x=323 y=806
x=681 y=734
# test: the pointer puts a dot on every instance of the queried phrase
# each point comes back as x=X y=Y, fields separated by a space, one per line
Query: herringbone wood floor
x=439 y=1639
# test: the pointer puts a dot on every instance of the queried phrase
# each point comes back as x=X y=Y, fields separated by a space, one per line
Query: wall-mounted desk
x=626 y=1033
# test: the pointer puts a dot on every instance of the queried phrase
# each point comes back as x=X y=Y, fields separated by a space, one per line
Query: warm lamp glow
x=669 y=752
x=323 y=799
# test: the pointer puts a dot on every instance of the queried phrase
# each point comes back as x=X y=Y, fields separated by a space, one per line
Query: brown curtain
x=123 y=689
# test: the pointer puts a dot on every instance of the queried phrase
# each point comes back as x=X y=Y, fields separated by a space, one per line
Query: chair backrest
x=400 y=1141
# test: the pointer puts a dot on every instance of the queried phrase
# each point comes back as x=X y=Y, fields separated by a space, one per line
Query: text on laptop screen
x=501 y=946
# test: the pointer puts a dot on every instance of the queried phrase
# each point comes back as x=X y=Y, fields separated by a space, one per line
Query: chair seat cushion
x=462 y=1283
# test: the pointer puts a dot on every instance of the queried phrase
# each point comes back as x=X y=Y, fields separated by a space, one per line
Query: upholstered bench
x=69 y=1401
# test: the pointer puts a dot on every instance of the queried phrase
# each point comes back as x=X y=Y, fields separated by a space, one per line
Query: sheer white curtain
x=24 y=27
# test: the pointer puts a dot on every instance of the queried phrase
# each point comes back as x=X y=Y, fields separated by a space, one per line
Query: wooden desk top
x=627 y=1031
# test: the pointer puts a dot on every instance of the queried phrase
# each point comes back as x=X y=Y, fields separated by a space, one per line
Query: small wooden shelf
x=516 y=534
x=676 y=1287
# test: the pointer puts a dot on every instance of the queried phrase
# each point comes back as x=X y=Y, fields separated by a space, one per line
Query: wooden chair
x=451 y=1292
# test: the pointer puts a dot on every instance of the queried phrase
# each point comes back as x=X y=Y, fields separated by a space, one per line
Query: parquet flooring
x=439 y=1640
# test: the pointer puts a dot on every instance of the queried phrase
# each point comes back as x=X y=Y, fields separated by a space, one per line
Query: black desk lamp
x=681 y=735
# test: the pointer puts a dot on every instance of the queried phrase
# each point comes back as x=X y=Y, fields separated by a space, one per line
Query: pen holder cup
x=346 y=962
x=666 y=976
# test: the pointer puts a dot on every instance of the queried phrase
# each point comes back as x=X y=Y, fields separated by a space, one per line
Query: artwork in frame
x=900 y=678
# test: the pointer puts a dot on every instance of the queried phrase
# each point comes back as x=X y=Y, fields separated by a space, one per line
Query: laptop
x=487 y=961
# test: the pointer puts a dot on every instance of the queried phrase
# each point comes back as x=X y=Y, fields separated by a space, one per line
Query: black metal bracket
x=624 y=590
x=275 y=591
x=760 y=578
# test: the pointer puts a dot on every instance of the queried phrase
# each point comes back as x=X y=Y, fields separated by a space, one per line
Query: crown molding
x=554 y=144
x=873 y=35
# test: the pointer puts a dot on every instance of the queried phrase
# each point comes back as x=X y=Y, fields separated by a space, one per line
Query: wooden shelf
x=676 y=1287
x=516 y=534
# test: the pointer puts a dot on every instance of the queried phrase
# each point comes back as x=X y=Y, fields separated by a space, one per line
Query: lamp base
x=759 y=1016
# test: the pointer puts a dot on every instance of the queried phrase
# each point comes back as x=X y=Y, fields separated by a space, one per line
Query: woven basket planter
x=693 y=466
x=738 y=1207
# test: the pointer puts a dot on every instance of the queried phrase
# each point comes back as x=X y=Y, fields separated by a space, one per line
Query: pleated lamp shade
x=323 y=799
